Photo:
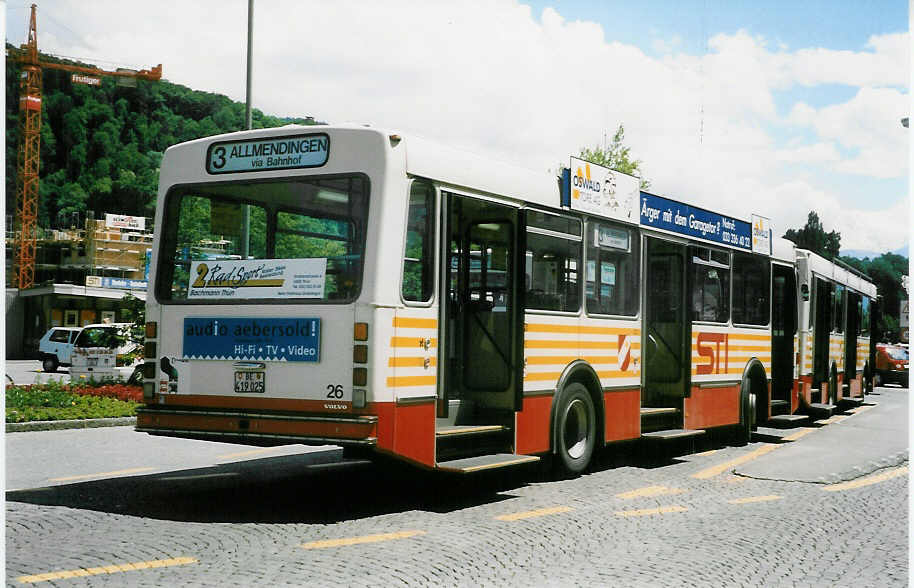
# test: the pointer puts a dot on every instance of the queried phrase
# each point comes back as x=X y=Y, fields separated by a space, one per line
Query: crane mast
x=28 y=157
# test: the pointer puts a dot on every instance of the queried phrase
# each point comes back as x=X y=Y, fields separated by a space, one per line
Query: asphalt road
x=28 y=371
x=114 y=507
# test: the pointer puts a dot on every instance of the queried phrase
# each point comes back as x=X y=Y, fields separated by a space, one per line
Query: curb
x=70 y=424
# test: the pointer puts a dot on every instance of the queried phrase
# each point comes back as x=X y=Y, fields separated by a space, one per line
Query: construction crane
x=30 y=142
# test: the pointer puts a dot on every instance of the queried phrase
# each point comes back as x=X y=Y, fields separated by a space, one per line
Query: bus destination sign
x=661 y=213
x=299 y=151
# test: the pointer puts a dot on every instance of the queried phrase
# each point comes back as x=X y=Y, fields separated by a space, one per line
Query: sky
x=777 y=108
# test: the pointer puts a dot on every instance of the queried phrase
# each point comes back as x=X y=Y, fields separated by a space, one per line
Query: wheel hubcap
x=576 y=431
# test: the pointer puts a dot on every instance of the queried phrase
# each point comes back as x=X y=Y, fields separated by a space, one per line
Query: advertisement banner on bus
x=598 y=190
x=661 y=213
x=761 y=235
x=262 y=278
x=253 y=338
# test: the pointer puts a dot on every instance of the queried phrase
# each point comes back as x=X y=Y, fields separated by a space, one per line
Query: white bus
x=836 y=346
x=395 y=296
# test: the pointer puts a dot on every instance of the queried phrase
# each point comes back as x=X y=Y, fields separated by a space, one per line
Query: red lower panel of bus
x=242 y=424
x=712 y=407
x=414 y=432
x=533 y=424
x=254 y=403
x=623 y=414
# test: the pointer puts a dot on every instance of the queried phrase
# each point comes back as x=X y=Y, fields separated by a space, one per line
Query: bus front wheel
x=575 y=429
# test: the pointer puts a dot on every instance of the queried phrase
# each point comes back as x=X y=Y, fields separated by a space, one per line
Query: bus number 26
x=334 y=391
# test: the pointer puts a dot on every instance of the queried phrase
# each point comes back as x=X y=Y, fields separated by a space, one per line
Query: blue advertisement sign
x=662 y=213
x=256 y=338
x=124 y=283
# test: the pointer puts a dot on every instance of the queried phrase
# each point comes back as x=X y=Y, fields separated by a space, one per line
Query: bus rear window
x=310 y=232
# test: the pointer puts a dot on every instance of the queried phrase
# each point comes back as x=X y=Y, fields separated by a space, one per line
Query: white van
x=104 y=352
x=56 y=347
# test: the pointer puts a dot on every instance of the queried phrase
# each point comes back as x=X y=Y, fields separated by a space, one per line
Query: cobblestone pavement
x=635 y=519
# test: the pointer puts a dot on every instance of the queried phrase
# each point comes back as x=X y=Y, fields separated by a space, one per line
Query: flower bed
x=54 y=401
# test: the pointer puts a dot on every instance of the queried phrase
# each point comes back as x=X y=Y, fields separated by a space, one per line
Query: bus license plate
x=250 y=382
x=91 y=361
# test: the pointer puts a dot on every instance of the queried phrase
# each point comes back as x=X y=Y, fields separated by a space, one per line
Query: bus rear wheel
x=747 y=414
x=575 y=429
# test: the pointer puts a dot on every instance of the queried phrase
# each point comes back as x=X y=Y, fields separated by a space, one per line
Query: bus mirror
x=804 y=290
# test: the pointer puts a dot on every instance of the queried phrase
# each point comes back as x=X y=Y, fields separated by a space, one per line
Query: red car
x=891 y=365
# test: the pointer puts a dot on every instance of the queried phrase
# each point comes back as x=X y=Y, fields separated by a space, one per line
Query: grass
x=55 y=401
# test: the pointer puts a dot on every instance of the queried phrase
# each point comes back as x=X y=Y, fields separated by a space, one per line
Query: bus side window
x=553 y=262
x=418 y=256
x=710 y=278
x=751 y=290
x=612 y=270
x=838 y=310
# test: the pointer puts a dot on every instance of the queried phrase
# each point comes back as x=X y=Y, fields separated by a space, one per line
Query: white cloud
x=533 y=88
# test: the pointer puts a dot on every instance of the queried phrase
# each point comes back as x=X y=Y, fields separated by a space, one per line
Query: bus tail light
x=360 y=376
x=149 y=391
x=151 y=329
x=360 y=332
x=360 y=354
x=149 y=349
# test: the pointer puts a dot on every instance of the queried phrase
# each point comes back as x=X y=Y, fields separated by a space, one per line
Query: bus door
x=822 y=307
x=667 y=327
x=481 y=312
x=783 y=328
x=850 y=335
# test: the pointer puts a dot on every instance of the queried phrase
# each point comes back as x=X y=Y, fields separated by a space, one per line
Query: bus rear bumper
x=258 y=428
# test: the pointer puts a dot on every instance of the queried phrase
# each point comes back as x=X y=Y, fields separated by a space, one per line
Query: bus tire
x=576 y=429
x=746 y=413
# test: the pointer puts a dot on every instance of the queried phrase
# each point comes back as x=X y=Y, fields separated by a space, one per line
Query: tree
x=616 y=156
x=814 y=238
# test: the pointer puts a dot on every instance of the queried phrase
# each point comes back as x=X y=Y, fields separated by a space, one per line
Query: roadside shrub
x=56 y=401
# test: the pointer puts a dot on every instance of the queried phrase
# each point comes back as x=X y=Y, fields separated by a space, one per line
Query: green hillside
x=101 y=145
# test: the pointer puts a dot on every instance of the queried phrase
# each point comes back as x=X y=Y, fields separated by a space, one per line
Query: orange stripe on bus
x=409 y=381
x=415 y=323
x=411 y=342
x=411 y=362
x=571 y=344
x=579 y=329
x=542 y=376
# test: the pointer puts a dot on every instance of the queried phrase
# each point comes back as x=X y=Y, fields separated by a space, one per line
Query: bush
x=55 y=401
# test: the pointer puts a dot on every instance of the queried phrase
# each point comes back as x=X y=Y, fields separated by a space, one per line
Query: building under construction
x=81 y=276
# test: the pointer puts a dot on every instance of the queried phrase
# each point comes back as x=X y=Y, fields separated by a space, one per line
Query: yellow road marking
x=709 y=452
x=860 y=409
x=112 y=569
x=801 y=433
x=868 y=480
x=359 y=540
x=534 y=513
x=101 y=474
x=650 y=491
x=650 y=511
x=247 y=453
x=722 y=467
x=752 y=499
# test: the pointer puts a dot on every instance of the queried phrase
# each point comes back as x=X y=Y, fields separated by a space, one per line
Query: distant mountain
x=863 y=253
